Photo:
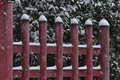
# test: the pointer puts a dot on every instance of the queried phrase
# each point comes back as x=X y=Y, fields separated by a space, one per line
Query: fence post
x=74 y=41
x=59 y=42
x=6 y=40
x=104 y=42
x=25 y=46
x=43 y=47
x=89 y=56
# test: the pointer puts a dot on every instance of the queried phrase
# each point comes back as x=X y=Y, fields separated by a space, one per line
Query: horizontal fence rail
x=90 y=72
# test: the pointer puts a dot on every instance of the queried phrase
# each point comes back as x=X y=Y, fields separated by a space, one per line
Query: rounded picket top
x=59 y=20
x=74 y=21
x=103 y=23
x=88 y=22
x=24 y=17
x=42 y=18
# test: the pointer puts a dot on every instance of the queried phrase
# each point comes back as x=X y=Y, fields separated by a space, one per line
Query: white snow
x=17 y=68
x=63 y=8
x=2 y=48
x=67 y=14
x=74 y=21
x=25 y=16
x=98 y=4
x=82 y=32
x=38 y=68
x=97 y=46
x=35 y=68
x=67 y=45
x=49 y=44
x=83 y=46
x=86 y=1
x=104 y=22
x=54 y=68
x=35 y=44
x=83 y=67
x=17 y=0
x=67 y=67
x=42 y=18
x=17 y=43
x=54 y=44
x=58 y=19
x=4 y=13
x=51 y=6
x=88 y=22
x=97 y=67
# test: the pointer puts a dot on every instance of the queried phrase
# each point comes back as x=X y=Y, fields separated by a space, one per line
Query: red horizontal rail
x=52 y=73
x=52 y=50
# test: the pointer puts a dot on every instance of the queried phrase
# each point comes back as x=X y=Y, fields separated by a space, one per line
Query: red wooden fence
x=42 y=71
x=7 y=48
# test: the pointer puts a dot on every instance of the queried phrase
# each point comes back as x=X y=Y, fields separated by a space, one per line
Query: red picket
x=6 y=40
x=59 y=48
x=89 y=56
x=74 y=41
x=43 y=47
x=104 y=42
x=25 y=46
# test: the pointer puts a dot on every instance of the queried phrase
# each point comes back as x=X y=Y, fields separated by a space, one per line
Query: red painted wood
x=6 y=39
x=7 y=50
x=52 y=50
x=43 y=50
x=59 y=50
x=96 y=78
x=74 y=41
x=25 y=49
x=53 y=73
x=104 y=42
x=89 y=56
x=17 y=74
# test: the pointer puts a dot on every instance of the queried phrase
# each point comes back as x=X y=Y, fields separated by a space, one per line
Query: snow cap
x=42 y=18
x=88 y=22
x=74 y=21
x=58 y=20
x=103 y=22
x=25 y=17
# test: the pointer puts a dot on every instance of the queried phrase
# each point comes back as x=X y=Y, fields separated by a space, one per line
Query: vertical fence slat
x=25 y=46
x=74 y=41
x=88 y=38
x=59 y=42
x=104 y=42
x=6 y=39
x=43 y=47
x=9 y=39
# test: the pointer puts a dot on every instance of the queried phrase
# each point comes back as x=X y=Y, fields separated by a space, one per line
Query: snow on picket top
x=104 y=22
x=88 y=22
x=25 y=16
x=42 y=18
x=59 y=19
x=74 y=21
